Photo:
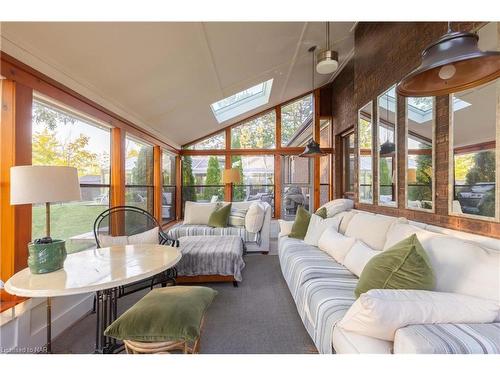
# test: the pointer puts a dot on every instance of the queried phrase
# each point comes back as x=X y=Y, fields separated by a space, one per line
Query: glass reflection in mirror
x=387 y=171
x=365 y=147
x=420 y=120
x=474 y=152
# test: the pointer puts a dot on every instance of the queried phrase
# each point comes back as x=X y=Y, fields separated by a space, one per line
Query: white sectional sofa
x=254 y=241
x=323 y=289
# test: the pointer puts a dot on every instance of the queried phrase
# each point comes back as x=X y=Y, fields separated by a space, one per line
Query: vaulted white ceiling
x=164 y=75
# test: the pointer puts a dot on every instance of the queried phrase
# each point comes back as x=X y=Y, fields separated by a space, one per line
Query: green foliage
x=385 y=176
x=365 y=134
x=293 y=116
x=423 y=192
x=142 y=172
x=256 y=133
x=188 y=191
x=238 y=191
x=214 y=177
x=483 y=169
x=49 y=117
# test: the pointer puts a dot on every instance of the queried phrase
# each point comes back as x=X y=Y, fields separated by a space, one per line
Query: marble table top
x=97 y=269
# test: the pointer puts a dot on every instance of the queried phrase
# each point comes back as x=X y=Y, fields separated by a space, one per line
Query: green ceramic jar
x=48 y=257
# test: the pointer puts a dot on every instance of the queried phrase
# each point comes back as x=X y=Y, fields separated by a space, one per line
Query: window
x=259 y=132
x=168 y=189
x=325 y=133
x=324 y=179
x=296 y=122
x=63 y=137
x=297 y=185
x=215 y=142
x=257 y=178
x=202 y=178
x=474 y=152
x=348 y=162
x=139 y=185
x=419 y=155
x=242 y=102
x=387 y=148
x=365 y=149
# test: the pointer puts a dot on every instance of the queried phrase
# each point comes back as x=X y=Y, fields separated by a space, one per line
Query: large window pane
x=420 y=115
x=202 y=178
x=64 y=138
x=168 y=190
x=215 y=142
x=297 y=185
x=139 y=190
x=348 y=162
x=257 y=178
x=296 y=122
x=474 y=151
x=259 y=132
x=324 y=178
x=365 y=141
x=386 y=147
x=325 y=133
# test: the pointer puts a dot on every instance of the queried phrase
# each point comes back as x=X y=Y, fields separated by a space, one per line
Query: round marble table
x=99 y=270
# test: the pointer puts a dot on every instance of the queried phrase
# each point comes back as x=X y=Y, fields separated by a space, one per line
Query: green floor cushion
x=403 y=266
x=220 y=217
x=301 y=223
x=164 y=314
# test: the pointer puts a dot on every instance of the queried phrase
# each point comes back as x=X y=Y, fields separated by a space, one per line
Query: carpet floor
x=258 y=317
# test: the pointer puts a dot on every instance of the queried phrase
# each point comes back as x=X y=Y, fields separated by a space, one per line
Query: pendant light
x=387 y=147
x=328 y=60
x=453 y=63
x=312 y=148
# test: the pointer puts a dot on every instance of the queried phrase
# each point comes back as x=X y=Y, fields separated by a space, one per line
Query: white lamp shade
x=42 y=184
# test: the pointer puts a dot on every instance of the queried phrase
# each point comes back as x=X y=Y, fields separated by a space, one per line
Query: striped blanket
x=211 y=255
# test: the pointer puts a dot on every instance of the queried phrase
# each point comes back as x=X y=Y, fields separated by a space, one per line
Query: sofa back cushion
x=356 y=259
x=337 y=205
x=398 y=231
x=371 y=229
x=255 y=217
x=335 y=244
x=317 y=225
x=464 y=267
x=198 y=213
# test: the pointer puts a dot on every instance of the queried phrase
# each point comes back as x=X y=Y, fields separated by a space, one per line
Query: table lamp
x=231 y=176
x=44 y=184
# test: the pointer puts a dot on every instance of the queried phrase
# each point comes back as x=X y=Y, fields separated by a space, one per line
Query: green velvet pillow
x=220 y=217
x=403 y=266
x=164 y=314
x=301 y=223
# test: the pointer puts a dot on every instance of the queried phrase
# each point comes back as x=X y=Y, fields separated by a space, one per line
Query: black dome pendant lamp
x=312 y=148
x=453 y=63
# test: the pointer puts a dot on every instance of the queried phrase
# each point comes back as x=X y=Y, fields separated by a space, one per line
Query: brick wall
x=384 y=53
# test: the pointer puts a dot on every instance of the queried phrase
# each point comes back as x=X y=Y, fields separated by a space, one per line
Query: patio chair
x=115 y=224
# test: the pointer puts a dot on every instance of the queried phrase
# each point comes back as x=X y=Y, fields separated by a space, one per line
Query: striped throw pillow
x=237 y=217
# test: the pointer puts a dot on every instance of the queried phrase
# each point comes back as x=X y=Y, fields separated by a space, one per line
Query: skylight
x=242 y=101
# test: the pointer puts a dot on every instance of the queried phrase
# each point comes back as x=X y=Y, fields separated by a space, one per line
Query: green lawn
x=67 y=220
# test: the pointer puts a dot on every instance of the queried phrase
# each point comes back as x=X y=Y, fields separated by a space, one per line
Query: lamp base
x=46 y=257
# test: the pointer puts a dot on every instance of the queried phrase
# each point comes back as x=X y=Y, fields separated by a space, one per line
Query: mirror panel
x=365 y=154
x=387 y=148
x=420 y=130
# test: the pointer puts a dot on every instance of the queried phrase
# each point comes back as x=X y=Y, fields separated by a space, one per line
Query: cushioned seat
x=448 y=339
x=301 y=262
x=183 y=230
x=322 y=302
x=169 y=315
x=346 y=342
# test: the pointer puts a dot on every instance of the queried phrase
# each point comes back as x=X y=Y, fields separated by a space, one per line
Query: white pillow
x=107 y=241
x=358 y=256
x=147 y=237
x=371 y=229
x=335 y=244
x=285 y=227
x=198 y=213
x=346 y=218
x=380 y=313
x=464 y=267
x=317 y=225
x=255 y=217
x=338 y=205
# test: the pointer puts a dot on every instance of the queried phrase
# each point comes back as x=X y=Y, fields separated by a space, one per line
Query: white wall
x=22 y=328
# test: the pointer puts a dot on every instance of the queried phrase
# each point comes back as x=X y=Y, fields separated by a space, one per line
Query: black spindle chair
x=128 y=221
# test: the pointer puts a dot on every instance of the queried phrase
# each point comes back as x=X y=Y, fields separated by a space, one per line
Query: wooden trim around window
x=15 y=149
x=157 y=182
x=178 y=187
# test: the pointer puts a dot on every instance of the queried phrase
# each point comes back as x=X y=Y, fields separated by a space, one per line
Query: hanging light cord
x=327 y=35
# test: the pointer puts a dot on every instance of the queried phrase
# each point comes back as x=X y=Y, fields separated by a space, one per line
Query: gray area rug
x=258 y=317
